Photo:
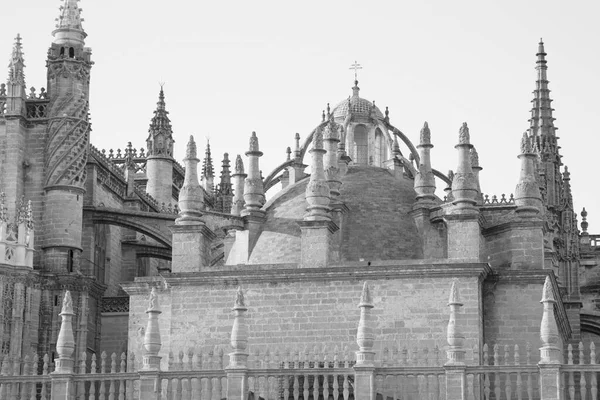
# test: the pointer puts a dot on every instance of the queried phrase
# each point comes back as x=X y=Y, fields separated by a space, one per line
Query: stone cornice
x=330 y=225
x=287 y=273
x=515 y=224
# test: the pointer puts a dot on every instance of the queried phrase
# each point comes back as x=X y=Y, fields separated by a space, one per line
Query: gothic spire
x=541 y=122
x=68 y=24
x=208 y=170
x=160 y=133
x=16 y=66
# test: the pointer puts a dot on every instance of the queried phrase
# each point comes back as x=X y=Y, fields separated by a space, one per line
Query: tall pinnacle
x=68 y=24
x=207 y=164
x=541 y=122
x=16 y=66
x=160 y=133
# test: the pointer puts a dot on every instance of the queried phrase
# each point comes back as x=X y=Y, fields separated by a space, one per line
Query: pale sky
x=272 y=66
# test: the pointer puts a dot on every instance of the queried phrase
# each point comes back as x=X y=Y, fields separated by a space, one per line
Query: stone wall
x=114 y=332
x=289 y=309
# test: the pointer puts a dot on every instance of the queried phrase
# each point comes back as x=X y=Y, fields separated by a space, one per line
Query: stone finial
x=525 y=144
x=238 y=358
x=425 y=136
x=239 y=298
x=253 y=142
x=365 y=336
x=288 y=152
x=191 y=196
x=153 y=301
x=550 y=351
x=454 y=298
x=455 y=338
x=208 y=170
x=65 y=343
x=584 y=223
x=297 y=148
x=67 y=304
x=239 y=165
x=365 y=296
x=191 y=151
x=152 y=341
x=463 y=134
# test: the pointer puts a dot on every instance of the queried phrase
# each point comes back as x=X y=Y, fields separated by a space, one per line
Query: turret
x=331 y=138
x=464 y=187
x=527 y=193
x=69 y=64
x=159 y=164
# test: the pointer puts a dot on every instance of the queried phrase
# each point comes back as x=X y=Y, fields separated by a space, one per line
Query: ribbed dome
x=358 y=106
x=377 y=225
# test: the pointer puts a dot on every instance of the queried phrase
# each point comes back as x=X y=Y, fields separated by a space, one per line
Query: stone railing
x=465 y=373
x=115 y=304
x=495 y=201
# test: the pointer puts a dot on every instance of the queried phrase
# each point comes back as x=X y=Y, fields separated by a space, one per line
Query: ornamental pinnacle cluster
x=352 y=200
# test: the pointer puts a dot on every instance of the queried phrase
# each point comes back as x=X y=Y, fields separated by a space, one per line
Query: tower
x=68 y=67
x=159 y=165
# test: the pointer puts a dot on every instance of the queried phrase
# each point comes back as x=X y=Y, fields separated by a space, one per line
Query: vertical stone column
x=364 y=369
x=550 y=352
x=191 y=236
x=62 y=377
x=317 y=225
x=462 y=219
x=238 y=186
x=237 y=370
x=476 y=170
x=456 y=388
x=150 y=382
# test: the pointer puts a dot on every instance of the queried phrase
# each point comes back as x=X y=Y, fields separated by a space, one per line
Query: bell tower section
x=68 y=64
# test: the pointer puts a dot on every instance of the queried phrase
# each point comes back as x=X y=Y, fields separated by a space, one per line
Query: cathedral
x=355 y=200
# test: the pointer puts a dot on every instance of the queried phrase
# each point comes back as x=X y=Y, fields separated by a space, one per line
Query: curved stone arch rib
x=441 y=176
x=272 y=183
x=267 y=183
x=162 y=254
x=132 y=224
x=590 y=323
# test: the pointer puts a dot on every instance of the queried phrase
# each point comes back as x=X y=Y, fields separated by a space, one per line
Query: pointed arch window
x=361 y=143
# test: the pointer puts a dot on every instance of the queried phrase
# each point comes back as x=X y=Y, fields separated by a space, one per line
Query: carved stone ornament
x=463 y=134
x=425 y=136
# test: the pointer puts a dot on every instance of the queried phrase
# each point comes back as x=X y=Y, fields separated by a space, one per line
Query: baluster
x=190 y=359
x=379 y=388
x=571 y=381
x=122 y=369
x=583 y=386
x=198 y=362
x=305 y=385
x=519 y=383
x=346 y=391
x=296 y=387
x=425 y=356
x=528 y=350
x=93 y=368
x=593 y=379
x=497 y=388
x=470 y=387
x=206 y=390
x=129 y=384
x=113 y=370
x=335 y=383
x=316 y=375
x=436 y=352
x=46 y=360
x=404 y=356
x=394 y=384
x=385 y=357
x=486 y=385
x=474 y=354
x=325 y=374
x=33 y=371
x=216 y=389
x=581 y=357
x=414 y=360
x=102 y=394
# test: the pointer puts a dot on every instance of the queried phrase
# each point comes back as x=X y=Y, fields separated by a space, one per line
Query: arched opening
x=380 y=155
x=70 y=261
x=62 y=51
x=361 y=143
x=71 y=52
x=100 y=233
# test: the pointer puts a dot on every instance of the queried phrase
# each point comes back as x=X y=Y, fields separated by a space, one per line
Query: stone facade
x=111 y=225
